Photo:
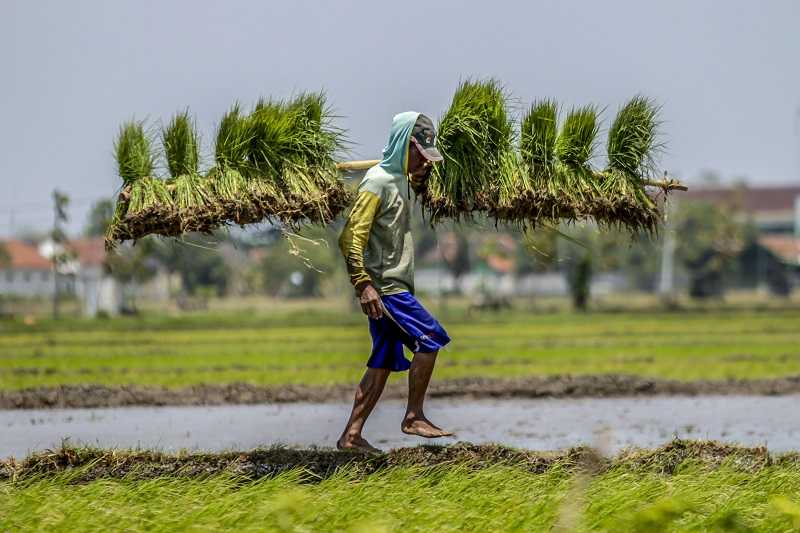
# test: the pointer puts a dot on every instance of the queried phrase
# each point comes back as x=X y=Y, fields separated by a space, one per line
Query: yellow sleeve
x=355 y=235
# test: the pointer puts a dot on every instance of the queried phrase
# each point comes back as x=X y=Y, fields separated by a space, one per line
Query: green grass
x=446 y=498
x=332 y=347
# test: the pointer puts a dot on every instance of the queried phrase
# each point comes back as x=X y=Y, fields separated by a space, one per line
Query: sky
x=727 y=74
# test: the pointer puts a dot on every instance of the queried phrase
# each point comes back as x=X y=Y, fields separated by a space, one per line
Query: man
x=379 y=252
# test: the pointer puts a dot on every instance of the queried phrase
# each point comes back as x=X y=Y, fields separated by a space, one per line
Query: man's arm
x=353 y=242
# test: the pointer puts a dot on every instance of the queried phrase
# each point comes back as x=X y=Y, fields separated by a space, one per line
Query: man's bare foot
x=423 y=427
x=357 y=443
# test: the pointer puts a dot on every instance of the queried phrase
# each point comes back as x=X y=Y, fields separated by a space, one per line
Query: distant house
x=27 y=273
x=773 y=209
x=93 y=284
x=784 y=247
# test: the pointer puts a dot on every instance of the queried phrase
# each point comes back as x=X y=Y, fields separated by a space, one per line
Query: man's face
x=419 y=167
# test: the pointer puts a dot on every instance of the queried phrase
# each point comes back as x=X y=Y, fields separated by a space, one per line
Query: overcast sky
x=727 y=74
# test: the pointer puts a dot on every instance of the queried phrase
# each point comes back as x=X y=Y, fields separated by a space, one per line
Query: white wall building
x=26 y=273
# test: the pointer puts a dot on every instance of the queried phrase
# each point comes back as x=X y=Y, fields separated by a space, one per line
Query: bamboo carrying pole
x=667 y=184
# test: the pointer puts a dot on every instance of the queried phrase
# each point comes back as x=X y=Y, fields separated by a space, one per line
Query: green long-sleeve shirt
x=376 y=240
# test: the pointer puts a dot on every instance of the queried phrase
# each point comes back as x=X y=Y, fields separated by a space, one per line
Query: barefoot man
x=379 y=252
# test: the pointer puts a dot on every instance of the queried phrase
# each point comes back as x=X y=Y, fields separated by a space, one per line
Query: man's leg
x=367 y=394
x=419 y=376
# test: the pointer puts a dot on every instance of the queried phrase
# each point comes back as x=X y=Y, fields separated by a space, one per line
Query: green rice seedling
x=317 y=141
x=271 y=138
x=270 y=135
x=575 y=143
x=197 y=209
x=181 y=145
x=189 y=192
x=229 y=178
x=149 y=196
x=149 y=208
x=325 y=142
x=512 y=196
x=144 y=198
x=134 y=155
x=232 y=141
x=301 y=177
x=294 y=148
x=537 y=150
x=537 y=141
x=632 y=139
x=632 y=146
x=475 y=135
x=133 y=152
x=573 y=181
x=228 y=185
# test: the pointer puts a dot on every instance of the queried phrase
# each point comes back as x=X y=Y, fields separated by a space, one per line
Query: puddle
x=536 y=424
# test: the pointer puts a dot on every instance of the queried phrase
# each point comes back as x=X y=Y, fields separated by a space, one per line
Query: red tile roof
x=90 y=251
x=784 y=246
x=752 y=199
x=24 y=256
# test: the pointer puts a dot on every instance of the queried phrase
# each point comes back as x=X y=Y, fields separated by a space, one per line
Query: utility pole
x=797 y=141
x=59 y=238
x=667 y=277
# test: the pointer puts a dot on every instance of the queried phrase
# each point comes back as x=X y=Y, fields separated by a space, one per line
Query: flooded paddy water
x=536 y=424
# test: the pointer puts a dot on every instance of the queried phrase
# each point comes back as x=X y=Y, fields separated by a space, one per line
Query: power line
x=48 y=205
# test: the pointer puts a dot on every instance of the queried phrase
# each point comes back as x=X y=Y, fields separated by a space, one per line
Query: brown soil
x=593 y=386
x=87 y=464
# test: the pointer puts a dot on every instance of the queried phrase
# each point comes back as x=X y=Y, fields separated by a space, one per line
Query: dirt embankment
x=596 y=386
x=87 y=464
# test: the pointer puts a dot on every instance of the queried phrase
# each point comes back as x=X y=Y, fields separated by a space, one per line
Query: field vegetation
x=330 y=347
x=683 y=486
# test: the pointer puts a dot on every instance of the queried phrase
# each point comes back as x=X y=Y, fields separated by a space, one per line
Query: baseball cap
x=425 y=136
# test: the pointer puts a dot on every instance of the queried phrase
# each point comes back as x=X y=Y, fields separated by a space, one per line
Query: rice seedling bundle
x=476 y=142
x=197 y=209
x=279 y=163
x=550 y=176
x=144 y=197
x=632 y=146
x=555 y=180
x=573 y=180
x=233 y=178
x=538 y=164
x=293 y=149
x=276 y=163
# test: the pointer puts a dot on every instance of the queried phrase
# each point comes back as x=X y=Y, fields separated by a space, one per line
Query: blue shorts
x=404 y=323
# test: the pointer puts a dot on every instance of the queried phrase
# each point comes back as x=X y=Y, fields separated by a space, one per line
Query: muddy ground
x=596 y=386
x=86 y=464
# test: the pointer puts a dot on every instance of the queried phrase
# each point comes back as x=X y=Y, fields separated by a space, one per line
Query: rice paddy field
x=330 y=346
x=682 y=486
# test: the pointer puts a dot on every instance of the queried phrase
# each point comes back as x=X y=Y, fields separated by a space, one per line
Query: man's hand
x=371 y=302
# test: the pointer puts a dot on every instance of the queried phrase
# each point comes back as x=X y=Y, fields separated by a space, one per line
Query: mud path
x=89 y=464
x=591 y=386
